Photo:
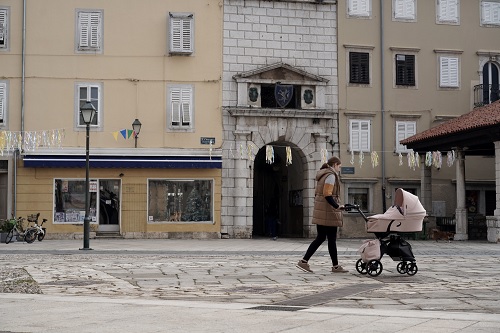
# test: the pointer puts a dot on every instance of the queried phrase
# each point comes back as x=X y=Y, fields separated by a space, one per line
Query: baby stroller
x=406 y=215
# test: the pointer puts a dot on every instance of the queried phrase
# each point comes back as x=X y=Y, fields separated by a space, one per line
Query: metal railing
x=486 y=94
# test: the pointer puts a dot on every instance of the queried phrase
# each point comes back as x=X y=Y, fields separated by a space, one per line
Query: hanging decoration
x=30 y=140
x=428 y=159
x=269 y=154
x=242 y=152
x=374 y=157
x=417 y=159
x=411 y=160
x=231 y=150
x=400 y=156
x=352 y=157
x=324 y=155
x=450 y=158
x=437 y=159
x=288 y=156
x=210 y=149
x=361 y=158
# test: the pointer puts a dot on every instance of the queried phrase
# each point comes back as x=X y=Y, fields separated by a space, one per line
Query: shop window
x=177 y=201
x=69 y=198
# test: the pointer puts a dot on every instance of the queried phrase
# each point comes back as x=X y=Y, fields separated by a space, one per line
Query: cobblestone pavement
x=458 y=277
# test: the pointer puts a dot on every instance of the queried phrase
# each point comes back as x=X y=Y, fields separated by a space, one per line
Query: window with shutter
x=449 y=72
x=404 y=129
x=405 y=69
x=490 y=12
x=359 y=8
x=3 y=102
x=359 y=65
x=404 y=9
x=89 y=27
x=89 y=92
x=359 y=135
x=3 y=28
x=181 y=107
x=447 y=11
x=181 y=33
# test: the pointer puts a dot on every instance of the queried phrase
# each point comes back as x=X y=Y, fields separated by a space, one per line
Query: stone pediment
x=280 y=72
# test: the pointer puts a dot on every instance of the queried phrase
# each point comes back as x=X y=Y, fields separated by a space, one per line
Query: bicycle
x=39 y=230
x=29 y=235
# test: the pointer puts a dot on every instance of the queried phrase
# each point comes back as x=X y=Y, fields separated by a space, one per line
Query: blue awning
x=159 y=162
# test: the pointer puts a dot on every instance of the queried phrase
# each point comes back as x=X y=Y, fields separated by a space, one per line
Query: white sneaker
x=339 y=269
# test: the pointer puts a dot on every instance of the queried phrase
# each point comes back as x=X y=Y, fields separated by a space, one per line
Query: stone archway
x=279 y=187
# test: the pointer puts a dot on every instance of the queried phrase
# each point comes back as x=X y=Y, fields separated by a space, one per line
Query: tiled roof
x=484 y=116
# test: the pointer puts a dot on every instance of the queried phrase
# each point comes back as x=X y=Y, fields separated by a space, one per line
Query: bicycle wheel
x=10 y=235
x=41 y=236
x=30 y=236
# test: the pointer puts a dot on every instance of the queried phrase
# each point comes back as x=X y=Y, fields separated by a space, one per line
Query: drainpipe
x=382 y=102
x=23 y=75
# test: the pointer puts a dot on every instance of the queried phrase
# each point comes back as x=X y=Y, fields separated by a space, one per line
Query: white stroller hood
x=407 y=213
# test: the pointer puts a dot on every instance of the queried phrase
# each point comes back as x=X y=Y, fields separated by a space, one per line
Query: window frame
x=442 y=72
x=359 y=132
x=405 y=16
x=4 y=105
x=490 y=23
x=6 y=31
x=182 y=49
x=399 y=148
x=360 y=184
x=98 y=47
x=360 y=63
x=76 y=219
x=447 y=20
x=172 y=218
x=99 y=108
x=397 y=67
x=361 y=13
x=170 y=110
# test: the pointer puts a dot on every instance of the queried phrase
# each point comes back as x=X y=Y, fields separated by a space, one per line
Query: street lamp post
x=136 y=125
x=87 y=111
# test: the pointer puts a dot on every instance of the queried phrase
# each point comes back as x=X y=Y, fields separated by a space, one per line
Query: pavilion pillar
x=493 y=222
x=461 y=211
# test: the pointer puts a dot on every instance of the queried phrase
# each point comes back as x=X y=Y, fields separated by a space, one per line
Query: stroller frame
x=389 y=243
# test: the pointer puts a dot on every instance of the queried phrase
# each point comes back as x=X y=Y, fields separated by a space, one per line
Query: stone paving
x=459 y=277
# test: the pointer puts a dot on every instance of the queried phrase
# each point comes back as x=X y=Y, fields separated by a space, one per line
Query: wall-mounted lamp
x=136 y=126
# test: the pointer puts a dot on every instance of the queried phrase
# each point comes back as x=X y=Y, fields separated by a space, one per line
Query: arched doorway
x=279 y=186
x=491 y=91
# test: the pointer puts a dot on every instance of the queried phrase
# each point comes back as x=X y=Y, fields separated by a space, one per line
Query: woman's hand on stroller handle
x=349 y=207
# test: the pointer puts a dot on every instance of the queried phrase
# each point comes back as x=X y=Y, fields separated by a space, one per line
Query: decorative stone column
x=493 y=222
x=461 y=211
x=242 y=191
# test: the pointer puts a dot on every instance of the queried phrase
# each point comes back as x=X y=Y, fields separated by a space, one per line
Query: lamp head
x=88 y=112
x=136 y=125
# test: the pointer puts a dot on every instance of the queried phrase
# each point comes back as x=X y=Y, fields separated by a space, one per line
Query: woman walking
x=327 y=214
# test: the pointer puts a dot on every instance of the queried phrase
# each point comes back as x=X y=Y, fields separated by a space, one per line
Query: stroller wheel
x=374 y=267
x=402 y=267
x=411 y=268
x=361 y=267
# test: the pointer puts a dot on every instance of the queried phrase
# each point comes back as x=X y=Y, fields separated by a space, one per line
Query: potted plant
x=5 y=227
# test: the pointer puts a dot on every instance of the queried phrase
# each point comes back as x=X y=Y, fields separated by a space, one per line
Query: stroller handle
x=350 y=207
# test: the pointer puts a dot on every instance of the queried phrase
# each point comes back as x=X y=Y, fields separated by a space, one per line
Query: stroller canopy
x=405 y=205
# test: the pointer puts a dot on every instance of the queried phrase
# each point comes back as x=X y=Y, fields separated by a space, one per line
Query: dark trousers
x=324 y=232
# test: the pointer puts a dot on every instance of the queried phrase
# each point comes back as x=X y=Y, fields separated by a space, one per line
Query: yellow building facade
x=159 y=64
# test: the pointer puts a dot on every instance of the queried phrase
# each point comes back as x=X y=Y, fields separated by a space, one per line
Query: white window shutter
x=448 y=10
x=359 y=135
x=3 y=89
x=186 y=106
x=449 y=72
x=359 y=7
x=95 y=29
x=3 y=26
x=404 y=129
x=84 y=23
x=176 y=105
x=181 y=34
x=404 y=9
x=491 y=12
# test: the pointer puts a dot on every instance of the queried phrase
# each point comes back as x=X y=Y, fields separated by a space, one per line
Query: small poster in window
x=93 y=187
x=59 y=217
